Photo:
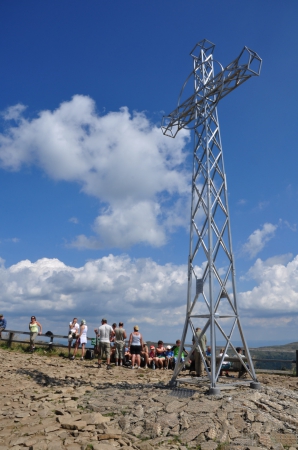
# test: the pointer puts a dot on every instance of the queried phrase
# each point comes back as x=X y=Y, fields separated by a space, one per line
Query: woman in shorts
x=135 y=345
x=81 y=339
x=160 y=359
x=35 y=329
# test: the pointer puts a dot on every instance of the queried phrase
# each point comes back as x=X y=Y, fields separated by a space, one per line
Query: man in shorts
x=105 y=333
x=72 y=332
x=120 y=336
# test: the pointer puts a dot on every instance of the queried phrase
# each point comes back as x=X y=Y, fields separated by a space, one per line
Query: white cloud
x=276 y=292
x=258 y=239
x=73 y=220
x=120 y=158
x=139 y=291
x=114 y=286
x=14 y=112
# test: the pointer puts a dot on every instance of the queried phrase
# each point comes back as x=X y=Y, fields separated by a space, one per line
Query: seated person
x=160 y=358
x=226 y=365
x=237 y=365
x=169 y=354
x=152 y=355
x=127 y=357
x=175 y=350
x=144 y=355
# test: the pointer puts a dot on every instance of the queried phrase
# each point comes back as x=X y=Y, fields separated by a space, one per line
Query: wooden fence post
x=10 y=338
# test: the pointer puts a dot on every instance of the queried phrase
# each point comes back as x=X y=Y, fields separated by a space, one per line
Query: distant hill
x=292 y=347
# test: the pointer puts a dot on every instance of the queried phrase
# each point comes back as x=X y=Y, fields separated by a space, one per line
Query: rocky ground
x=54 y=403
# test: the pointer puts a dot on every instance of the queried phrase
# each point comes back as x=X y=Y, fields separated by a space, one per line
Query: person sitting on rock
x=176 y=349
x=160 y=358
x=226 y=365
x=152 y=355
x=144 y=355
x=169 y=354
x=238 y=365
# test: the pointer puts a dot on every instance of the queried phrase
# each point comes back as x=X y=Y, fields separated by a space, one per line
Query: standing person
x=120 y=336
x=33 y=327
x=73 y=332
x=3 y=324
x=105 y=333
x=135 y=344
x=81 y=339
x=199 y=365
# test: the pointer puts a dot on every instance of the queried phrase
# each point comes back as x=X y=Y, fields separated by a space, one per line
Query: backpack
x=89 y=354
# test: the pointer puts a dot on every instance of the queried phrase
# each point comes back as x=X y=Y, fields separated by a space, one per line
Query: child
x=152 y=354
x=169 y=357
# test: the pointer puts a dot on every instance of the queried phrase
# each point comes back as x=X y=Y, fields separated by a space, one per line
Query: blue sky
x=95 y=200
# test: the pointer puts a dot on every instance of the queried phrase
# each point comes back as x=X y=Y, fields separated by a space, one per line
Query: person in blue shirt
x=3 y=324
x=169 y=354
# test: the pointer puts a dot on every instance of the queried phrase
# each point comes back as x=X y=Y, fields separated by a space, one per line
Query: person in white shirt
x=226 y=365
x=105 y=333
x=72 y=333
x=81 y=339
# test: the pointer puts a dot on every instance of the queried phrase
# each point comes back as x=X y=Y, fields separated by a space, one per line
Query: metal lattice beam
x=211 y=293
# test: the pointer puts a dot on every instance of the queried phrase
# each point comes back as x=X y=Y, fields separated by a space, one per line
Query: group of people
x=111 y=344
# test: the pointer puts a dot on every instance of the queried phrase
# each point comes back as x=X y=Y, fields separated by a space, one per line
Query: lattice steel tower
x=211 y=293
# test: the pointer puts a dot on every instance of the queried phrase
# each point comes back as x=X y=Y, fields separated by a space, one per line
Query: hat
x=83 y=322
x=152 y=347
x=104 y=320
x=136 y=327
x=169 y=347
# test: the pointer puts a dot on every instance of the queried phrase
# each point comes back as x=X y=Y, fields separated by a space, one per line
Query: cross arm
x=201 y=103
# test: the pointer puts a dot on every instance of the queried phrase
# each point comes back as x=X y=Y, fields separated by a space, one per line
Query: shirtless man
x=119 y=339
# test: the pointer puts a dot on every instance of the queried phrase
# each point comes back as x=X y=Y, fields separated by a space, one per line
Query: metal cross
x=211 y=292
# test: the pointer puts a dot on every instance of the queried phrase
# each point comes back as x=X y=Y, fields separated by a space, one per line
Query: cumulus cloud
x=121 y=158
x=138 y=291
x=276 y=290
x=113 y=286
x=258 y=239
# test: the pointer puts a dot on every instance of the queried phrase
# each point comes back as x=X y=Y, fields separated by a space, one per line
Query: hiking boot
x=72 y=358
x=109 y=366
